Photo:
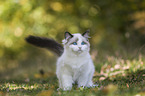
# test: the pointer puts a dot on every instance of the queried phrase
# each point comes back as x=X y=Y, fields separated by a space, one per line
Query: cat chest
x=76 y=71
x=76 y=63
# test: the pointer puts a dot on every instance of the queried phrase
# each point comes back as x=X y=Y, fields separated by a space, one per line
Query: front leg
x=90 y=77
x=66 y=82
x=85 y=79
x=82 y=80
x=64 y=76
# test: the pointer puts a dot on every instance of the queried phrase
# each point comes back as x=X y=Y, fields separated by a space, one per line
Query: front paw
x=93 y=86
x=81 y=86
x=67 y=88
x=64 y=89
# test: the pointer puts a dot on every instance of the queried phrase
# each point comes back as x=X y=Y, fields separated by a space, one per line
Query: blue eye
x=74 y=43
x=83 y=43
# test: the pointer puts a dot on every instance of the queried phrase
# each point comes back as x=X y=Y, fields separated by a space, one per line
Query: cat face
x=77 y=43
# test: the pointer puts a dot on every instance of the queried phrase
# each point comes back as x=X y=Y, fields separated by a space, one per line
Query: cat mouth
x=79 y=50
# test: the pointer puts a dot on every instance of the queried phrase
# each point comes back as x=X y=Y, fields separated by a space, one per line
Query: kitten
x=74 y=64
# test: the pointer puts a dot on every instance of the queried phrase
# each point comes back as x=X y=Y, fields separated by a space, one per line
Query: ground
x=130 y=85
x=115 y=77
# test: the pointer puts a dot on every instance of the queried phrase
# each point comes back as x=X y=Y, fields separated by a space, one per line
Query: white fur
x=75 y=65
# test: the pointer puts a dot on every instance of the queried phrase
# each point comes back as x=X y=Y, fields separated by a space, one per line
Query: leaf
x=110 y=89
x=94 y=89
x=127 y=85
x=140 y=94
x=45 y=93
x=2 y=93
x=102 y=78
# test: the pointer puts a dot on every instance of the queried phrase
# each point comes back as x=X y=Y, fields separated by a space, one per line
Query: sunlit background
x=117 y=30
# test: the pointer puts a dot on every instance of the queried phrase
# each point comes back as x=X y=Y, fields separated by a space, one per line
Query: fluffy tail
x=46 y=43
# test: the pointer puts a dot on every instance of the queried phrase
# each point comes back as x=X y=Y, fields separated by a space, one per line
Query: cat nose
x=79 y=47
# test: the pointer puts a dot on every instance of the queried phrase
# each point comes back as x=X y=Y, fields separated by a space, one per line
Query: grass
x=130 y=85
x=116 y=77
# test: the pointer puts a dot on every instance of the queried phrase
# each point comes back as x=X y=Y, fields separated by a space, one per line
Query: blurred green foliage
x=114 y=25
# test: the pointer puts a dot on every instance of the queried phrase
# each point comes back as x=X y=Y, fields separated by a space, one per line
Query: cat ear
x=68 y=35
x=86 y=34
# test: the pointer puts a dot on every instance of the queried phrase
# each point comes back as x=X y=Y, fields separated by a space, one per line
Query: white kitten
x=75 y=64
